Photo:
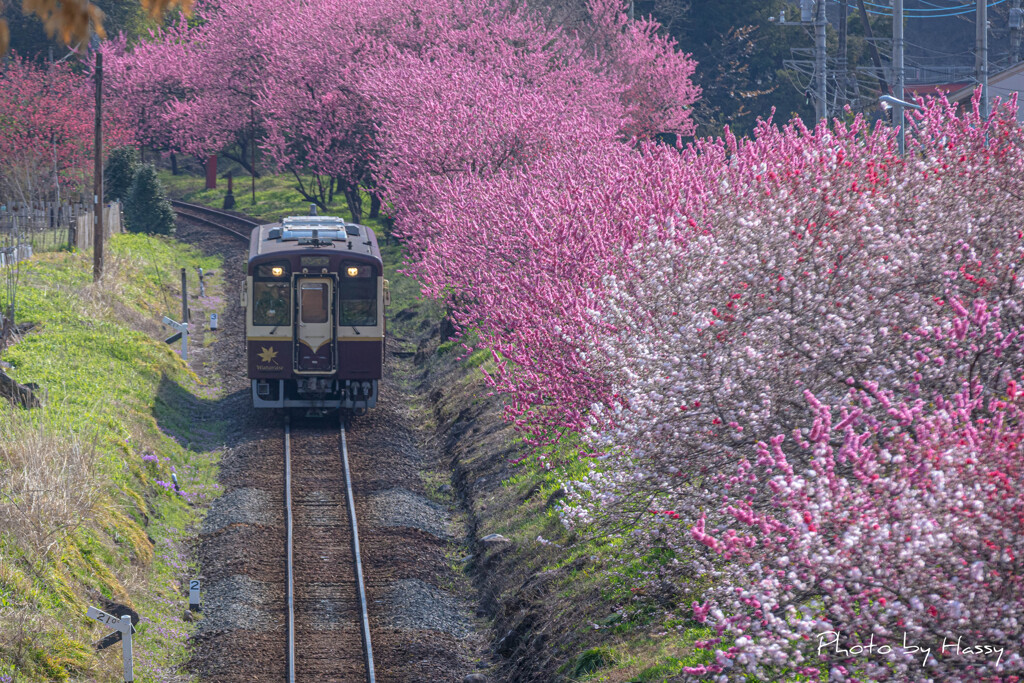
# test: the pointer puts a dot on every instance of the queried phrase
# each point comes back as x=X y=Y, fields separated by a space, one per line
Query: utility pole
x=97 y=180
x=898 y=71
x=883 y=86
x=1016 y=19
x=820 y=103
x=842 y=79
x=981 y=55
x=252 y=127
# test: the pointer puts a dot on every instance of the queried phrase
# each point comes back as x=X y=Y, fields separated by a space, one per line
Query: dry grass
x=105 y=299
x=49 y=485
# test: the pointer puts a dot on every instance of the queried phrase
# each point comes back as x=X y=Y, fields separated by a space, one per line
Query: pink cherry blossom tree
x=149 y=80
x=319 y=119
x=46 y=128
x=838 y=330
x=342 y=95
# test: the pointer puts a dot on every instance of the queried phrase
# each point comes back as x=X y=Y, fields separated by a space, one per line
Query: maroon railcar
x=314 y=297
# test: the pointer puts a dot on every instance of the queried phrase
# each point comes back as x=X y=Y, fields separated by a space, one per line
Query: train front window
x=315 y=303
x=357 y=301
x=271 y=303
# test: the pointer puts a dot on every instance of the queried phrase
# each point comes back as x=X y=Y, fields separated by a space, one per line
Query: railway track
x=225 y=222
x=328 y=626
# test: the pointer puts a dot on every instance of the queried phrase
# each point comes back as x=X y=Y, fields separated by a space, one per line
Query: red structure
x=211 y=173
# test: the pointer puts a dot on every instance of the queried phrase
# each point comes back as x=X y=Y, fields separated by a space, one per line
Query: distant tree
x=74 y=21
x=146 y=208
x=120 y=173
x=46 y=120
x=29 y=38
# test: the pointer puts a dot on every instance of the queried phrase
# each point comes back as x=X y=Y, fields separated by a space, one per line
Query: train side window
x=315 y=303
x=271 y=303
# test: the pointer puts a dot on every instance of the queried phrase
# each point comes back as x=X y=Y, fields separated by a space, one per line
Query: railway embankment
x=560 y=607
x=89 y=510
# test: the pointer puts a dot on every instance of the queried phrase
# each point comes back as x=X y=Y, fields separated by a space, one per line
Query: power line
x=957 y=8
x=962 y=53
x=928 y=14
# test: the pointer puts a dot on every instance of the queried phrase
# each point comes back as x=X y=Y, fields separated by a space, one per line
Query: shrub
x=146 y=208
x=119 y=173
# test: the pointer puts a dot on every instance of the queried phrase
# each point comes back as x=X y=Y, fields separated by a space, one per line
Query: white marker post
x=125 y=628
x=193 y=595
x=182 y=329
x=213 y=321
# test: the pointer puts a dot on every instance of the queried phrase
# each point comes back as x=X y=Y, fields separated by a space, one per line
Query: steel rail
x=207 y=216
x=360 y=584
x=288 y=524
x=367 y=647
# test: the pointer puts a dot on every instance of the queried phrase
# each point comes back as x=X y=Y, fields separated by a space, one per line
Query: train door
x=314 y=335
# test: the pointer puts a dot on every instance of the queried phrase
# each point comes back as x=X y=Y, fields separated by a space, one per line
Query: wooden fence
x=84 y=225
x=48 y=226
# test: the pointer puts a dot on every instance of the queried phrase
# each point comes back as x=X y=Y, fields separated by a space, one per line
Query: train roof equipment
x=298 y=233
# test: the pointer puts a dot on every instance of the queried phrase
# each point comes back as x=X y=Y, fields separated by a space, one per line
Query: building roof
x=967 y=90
x=935 y=89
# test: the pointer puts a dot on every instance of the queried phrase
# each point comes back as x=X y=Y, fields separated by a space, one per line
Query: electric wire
x=961 y=7
x=926 y=13
x=962 y=53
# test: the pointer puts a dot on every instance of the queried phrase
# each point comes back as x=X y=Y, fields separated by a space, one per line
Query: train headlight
x=352 y=271
x=277 y=271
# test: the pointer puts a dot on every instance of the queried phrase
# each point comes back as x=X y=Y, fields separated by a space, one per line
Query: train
x=315 y=299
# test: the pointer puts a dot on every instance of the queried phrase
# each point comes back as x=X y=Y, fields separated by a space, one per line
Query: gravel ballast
x=416 y=605
x=403 y=508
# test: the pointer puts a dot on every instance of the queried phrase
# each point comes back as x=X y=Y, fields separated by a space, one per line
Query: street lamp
x=899 y=105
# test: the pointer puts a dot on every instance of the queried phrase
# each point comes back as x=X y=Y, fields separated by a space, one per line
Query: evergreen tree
x=119 y=173
x=146 y=208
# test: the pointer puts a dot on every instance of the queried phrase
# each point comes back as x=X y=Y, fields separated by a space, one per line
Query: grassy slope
x=598 y=625
x=120 y=393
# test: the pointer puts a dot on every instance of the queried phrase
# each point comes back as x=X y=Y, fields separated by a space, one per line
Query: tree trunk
x=174 y=164
x=242 y=160
x=374 y=206
x=355 y=203
x=307 y=193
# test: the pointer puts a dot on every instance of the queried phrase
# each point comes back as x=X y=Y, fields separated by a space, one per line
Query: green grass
x=596 y=609
x=121 y=391
x=276 y=196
